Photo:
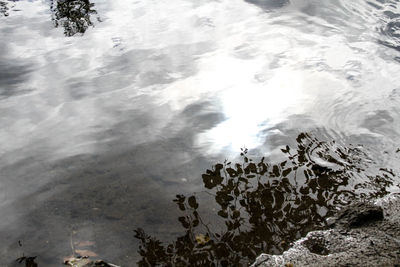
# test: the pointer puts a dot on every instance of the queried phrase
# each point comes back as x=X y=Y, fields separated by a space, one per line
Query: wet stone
x=357 y=215
x=364 y=234
x=317 y=245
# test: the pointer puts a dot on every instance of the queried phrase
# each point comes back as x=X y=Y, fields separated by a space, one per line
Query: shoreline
x=362 y=234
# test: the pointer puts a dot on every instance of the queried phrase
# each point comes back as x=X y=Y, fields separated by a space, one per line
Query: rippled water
x=111 y=108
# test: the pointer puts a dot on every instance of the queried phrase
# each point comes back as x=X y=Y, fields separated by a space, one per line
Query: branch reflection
x=4 y=8
x=263 y=207
x=73 y=15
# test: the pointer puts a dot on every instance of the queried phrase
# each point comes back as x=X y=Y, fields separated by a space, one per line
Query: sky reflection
x=180 y=85
x=257 y=74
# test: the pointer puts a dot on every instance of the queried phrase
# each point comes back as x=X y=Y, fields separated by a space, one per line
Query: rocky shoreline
x=362 y=234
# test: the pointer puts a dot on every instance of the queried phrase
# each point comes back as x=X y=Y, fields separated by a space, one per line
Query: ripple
x=174 y=84
x=390 y=26
x=392 y=29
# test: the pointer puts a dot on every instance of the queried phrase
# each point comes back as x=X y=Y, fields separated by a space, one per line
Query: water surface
x=111 y=108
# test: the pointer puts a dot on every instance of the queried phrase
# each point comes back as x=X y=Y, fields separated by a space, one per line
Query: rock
x=317 y=245
x=363 y=234
x=357 y=215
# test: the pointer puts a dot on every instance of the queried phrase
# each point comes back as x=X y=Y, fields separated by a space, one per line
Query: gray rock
x=357 y=215
x=363 y=234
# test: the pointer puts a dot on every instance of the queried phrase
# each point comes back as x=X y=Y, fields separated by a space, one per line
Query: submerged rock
x=362 y=234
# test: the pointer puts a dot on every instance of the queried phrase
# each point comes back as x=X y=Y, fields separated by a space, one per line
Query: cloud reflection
x=254 y=109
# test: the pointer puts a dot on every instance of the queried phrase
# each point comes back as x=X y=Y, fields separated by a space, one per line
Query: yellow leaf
x=202 y=239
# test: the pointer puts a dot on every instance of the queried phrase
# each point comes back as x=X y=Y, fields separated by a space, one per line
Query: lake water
x=108 y=109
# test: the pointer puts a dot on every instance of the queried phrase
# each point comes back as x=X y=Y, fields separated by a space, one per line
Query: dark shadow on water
x=103 y=196
x=12 y=76
x=269 y=4
x=263 y=207
x=75 y=16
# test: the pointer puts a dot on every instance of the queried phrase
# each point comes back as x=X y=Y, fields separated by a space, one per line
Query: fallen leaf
x=202 y=239
x=77 y=262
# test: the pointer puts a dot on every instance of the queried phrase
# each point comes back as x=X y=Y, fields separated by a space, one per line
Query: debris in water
x=202 y=239
x=86 y=262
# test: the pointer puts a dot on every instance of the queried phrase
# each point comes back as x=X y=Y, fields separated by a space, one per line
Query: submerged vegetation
x=263 y=207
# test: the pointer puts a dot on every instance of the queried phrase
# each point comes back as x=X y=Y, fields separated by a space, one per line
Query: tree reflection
x=28 y=261
x=73 y=15
x=264 y=206
x=4 y=8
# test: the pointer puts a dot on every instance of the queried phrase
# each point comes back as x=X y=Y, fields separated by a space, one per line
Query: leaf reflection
x=73 y=15
x=28 y=261
x=4 y=8
x=264 y=206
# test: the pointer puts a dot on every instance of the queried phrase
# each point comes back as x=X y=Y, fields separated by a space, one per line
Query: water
x=111 y=109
